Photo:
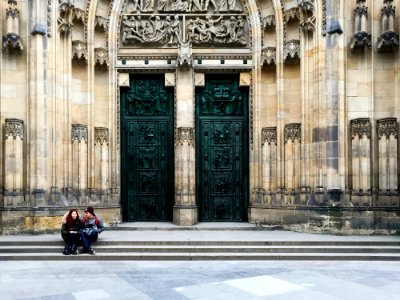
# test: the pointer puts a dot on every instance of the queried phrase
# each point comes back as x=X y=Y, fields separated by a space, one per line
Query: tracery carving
x=360 y=127
x=269 y=22
x=307 y=17
x=79 y=132
x=269 y=135
x=268 y=56
x=293 y=132
x=12 y=39
x=66 y=8
x=291 y=52
x=387 y=127
x=101 y=57
x=185 y=135
x=14 y=128
x=361 y=37
x=101 y=23
x=79 y=51
x=389 y=40
x=101 y=135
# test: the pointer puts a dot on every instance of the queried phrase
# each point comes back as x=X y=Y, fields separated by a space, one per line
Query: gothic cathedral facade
x=277 y=112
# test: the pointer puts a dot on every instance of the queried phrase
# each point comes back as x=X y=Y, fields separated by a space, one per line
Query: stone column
x=388 y=183
x=185 y=209
x=270 y=172
x=361 y=161
x=292 y=162
x=38 y=121
x=13 y=163
x=79 y=137
x=101 y=140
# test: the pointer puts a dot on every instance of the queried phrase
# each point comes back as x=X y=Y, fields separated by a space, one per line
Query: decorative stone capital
x=291 y=52
x=101 y=57
x=14 y=128
x=185 y=58
x=387 y=127
x=360 y=127
x=388 y=9
x=361 y=9
x=268 y=56
x=269 y=22
x=79 y=133
x=101 y=23
x=12 y=41
x=79 y=51
x=269 y=135
x=78 y=15
x=293 y=132
x=101 y=135
x=184 y=135
x=292 y=14
x=12 y=13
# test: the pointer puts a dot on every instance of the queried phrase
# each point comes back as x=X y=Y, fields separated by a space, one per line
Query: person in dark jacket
x=91 y=227
x=70 y=229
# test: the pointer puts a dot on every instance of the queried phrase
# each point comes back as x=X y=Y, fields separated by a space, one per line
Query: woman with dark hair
x=71 y=225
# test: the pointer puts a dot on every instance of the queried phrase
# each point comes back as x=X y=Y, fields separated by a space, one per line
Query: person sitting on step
x=91 y=227
x=71 y=225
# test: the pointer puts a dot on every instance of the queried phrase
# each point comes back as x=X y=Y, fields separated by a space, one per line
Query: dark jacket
x=75 y=226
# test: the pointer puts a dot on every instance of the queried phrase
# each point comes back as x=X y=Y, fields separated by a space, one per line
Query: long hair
x=69 y=217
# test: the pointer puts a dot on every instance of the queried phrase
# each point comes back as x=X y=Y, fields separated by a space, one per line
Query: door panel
x=222 y=159
x=147 y=150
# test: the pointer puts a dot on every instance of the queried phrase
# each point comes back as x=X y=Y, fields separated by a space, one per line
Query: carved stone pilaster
x=101 y=23
x=185 y=57
x=293 y=132
x=184 y=135
x=78 y=15
x=387 y=127
x=79 y=51
x=292 y=14
x=66 y=8
x=269 y=22
x=269 y=135
x=360 y=127
x=79 y=133
x=291 y=52
x=101 y=57
x=14 y=128
x=101 y=135
x=268 y=56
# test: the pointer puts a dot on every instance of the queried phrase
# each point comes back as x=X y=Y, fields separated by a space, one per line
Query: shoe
x=73 y=250
x=91 y=251
x=65 y=251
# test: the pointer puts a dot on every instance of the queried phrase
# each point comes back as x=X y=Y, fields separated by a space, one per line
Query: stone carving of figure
x=178 y=5
x=240 y=31
x=223 y=5
x=174 y=30
x=207 y=4
x=163 y=5
x=136 y=5
x=194 y=5
x=147 y=5
x=232 y=5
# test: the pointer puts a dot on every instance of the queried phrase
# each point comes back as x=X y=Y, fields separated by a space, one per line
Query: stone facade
x=324 y=102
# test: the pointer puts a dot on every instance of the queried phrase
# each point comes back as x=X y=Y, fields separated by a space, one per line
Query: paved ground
x=200 y=280
x=286 y=280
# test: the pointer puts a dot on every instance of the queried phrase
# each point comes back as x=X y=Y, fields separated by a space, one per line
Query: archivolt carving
x=101 y=135
x=14 y=128
x=293 y=132
x=185 y=135
x=269 y=135
x=360 y=127
x=387 y=127
x=79 y=133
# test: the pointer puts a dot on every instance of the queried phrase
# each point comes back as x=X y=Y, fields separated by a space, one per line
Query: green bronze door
x=147 y=157
x=222 y=149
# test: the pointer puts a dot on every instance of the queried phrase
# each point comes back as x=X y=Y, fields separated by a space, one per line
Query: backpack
x=96 y=221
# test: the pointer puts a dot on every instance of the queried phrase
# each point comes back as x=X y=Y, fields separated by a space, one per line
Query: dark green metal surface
x=147 y=151
x=222 y=149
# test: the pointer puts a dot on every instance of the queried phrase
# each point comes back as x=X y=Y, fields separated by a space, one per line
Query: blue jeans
x=88 y=238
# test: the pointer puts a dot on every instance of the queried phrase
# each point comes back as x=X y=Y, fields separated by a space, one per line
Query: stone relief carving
x=269 y=22
x=12 y=39
x=268 y=56
x=79 y=133
x=14 y=128
x=360 y=127
x=101 y=135
x=185 y=135
x=79 y=51
x=101 y=57
x=101 y=23
x=293 y=132
x=66 y=8
x=387 y=127
x=389 y=40
x=291 y=52
x=269 y=135
x=361 y=37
